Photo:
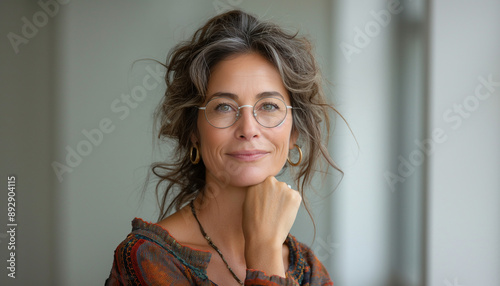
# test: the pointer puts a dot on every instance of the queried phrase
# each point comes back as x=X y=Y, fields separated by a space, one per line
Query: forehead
x=258 y=96
x=245 y=77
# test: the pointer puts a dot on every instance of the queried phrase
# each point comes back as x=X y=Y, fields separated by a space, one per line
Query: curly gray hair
x=188 y=69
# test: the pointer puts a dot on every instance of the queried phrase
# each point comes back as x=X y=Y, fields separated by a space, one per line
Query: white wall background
x=440 y=226
x=464 y=186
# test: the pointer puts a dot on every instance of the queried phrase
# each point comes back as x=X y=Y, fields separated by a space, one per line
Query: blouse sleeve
x=315 y=272
x=142 y=262
x=257 y=277
x=309 y=271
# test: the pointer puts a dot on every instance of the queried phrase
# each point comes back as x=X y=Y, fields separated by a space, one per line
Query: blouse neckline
x=199 y=259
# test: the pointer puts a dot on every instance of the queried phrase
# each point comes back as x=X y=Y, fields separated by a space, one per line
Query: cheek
x=211 y=145
x=204 y=134
x=281 y=141
x=208 y=146
x=284 y=151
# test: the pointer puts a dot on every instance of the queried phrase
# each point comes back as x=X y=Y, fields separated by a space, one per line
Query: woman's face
x=245 y=153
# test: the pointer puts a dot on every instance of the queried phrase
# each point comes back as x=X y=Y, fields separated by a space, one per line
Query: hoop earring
x=300 y=156
x=197 y=157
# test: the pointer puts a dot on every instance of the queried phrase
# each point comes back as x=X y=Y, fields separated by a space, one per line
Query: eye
x=269 y=106
x=223 y=107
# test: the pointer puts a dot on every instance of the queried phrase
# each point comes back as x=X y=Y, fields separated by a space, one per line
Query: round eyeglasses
x=223 y=112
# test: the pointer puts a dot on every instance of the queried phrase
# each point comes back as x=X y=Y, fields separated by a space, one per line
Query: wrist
x=265 y=257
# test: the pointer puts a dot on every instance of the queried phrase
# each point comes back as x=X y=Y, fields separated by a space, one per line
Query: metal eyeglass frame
x=204 y=108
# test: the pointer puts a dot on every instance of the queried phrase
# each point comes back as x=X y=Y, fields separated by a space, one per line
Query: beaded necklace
x=209 y=240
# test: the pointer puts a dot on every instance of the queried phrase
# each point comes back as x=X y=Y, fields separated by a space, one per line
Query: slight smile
x=248 y=155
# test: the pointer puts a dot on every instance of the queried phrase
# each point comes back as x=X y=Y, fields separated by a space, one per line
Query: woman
x=242 y=95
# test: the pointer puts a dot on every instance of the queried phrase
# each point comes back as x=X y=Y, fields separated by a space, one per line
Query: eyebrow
x=235 y=96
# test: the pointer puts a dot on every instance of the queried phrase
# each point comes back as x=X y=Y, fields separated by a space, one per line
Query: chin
x=251 y=176
x=239 y=175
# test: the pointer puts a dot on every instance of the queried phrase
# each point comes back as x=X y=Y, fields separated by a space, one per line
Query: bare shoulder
x=182 y=226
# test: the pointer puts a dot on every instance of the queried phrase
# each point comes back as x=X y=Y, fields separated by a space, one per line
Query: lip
x=248 y=155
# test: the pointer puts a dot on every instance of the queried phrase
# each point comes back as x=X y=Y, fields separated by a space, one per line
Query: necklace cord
x=210 y=242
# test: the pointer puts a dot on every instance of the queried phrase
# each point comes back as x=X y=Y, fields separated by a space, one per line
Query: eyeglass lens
x=222 y=112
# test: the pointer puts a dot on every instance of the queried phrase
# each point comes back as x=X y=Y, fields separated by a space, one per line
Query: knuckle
x=271 y=179
x=283 y=185
x=297 y=197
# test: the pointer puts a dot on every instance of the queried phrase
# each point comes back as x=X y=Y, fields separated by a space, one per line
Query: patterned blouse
x=151 y=256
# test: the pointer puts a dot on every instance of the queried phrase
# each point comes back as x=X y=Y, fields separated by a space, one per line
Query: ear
x=293 y=138
x=194 y=138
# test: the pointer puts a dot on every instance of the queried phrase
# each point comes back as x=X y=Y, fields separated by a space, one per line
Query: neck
x=219 y=211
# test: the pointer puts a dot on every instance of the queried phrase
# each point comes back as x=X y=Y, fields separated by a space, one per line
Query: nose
x=247 y=126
